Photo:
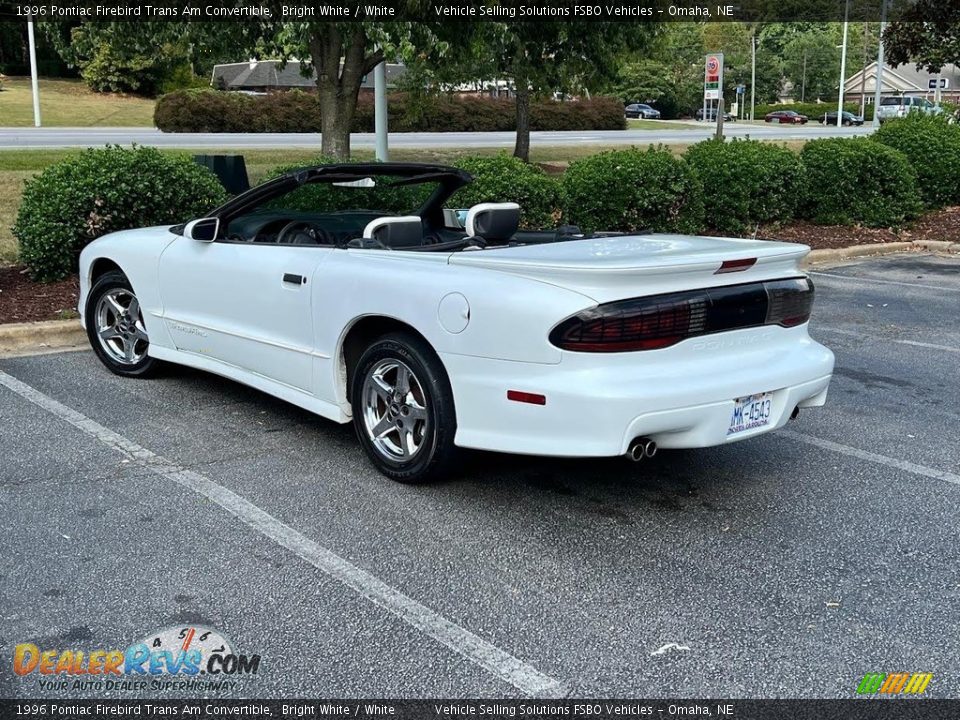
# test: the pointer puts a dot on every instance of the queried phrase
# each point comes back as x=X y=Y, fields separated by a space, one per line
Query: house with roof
x=271 y=75
x=903 y=80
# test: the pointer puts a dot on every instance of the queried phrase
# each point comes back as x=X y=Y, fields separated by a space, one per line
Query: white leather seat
x=396 y=232
x=493 y=221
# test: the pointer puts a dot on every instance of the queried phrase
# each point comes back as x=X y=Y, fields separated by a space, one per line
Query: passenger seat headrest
x=396 y=232
x=493 y=221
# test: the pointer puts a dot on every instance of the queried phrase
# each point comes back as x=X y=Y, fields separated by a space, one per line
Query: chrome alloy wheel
x=120 y=327
x=395 y=412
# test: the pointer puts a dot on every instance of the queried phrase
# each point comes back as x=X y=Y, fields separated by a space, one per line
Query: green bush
x=298 y=111
x=857 y=181
x=746 y=182
x=100 y=191
x=632 y=190
x=932 y=147
x=504 y=178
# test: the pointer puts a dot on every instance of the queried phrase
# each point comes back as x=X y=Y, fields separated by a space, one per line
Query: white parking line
x=883 y=282
x=873 y=457
x=497 y=662
x=876 y=338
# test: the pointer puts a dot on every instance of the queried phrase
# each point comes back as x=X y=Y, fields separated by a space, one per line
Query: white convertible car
x=353 y=292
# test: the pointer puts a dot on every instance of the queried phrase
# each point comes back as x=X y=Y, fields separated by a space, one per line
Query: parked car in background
x=849 y=118
x=641 y=111
x=898 y=107
x=712 y=115
x=786 y=117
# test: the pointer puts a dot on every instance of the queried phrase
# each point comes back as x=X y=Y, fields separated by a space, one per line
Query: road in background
x=787 y=565
x=24 y=138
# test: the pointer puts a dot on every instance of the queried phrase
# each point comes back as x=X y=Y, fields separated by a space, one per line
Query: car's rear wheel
x=115 y=327
x=403 y=409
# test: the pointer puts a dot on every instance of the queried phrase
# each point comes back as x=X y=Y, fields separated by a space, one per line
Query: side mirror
x=202 y=230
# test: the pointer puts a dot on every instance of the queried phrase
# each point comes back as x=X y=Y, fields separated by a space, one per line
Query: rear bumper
x=681 y=397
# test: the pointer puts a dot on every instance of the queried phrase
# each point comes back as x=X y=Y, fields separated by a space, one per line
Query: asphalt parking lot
x=783 y=566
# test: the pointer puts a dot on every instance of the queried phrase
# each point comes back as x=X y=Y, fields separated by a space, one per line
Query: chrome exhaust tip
x=640 y=448
x=649 y=448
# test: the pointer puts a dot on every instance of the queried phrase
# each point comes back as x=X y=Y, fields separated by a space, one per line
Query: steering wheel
x=316 y=234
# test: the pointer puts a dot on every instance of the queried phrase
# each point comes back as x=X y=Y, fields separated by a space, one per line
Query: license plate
x=750 y=412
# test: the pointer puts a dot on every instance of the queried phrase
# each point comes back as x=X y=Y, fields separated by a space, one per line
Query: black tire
x=140 y=364
x=429 y=394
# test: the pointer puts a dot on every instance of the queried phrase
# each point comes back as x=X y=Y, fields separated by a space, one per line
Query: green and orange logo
x=894 y=683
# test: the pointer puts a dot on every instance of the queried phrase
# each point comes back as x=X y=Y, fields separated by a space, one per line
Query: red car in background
x=786 y=117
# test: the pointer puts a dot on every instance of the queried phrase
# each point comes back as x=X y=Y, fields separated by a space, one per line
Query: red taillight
x=659 y=321
x=729 y=266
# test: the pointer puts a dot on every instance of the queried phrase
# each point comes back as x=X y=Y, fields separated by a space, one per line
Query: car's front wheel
x=403 y=409
x=115 y=327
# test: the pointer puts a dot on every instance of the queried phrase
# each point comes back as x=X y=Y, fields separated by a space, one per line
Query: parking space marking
x=491 y=658
x=864 y=336
x=882 y=282
x=873 y=457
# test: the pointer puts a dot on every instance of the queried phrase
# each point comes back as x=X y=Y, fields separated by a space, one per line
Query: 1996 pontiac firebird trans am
x=353 y=292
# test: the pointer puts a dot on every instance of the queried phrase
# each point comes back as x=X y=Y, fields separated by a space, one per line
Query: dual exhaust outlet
x=640 y=448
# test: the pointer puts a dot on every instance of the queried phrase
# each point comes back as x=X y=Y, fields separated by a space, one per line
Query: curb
x=38 y=337
x=855 y=251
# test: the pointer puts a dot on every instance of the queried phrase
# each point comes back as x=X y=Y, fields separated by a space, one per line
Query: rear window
x=890 y=101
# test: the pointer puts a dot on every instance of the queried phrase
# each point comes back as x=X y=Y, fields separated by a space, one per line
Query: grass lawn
x=17 y=166
x=69 y=103
x=633 y=124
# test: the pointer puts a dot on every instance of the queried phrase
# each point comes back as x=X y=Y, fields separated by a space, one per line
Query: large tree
x=540 y=58
x=926 y=33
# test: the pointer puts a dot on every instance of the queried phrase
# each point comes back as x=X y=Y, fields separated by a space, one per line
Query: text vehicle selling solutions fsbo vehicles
x=354 y=291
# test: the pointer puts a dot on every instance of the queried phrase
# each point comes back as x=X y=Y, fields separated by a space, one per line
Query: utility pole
x=380 y=110
x=878 y=76
x=753 y=71
x=803 y=85
x=34 y=80
x=843 y=62
x=863 y=72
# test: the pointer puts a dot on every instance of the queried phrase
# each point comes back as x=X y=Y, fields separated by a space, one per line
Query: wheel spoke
x=134 y=309
x=140 y=333
x=129 y=348
x=407 y=441
x=115 y=306
x=417 y=412
x=383 y=389
x=383 y=427
x=108 y=333
x=403 y=381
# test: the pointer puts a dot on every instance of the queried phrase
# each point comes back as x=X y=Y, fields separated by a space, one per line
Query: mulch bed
x=22 y=300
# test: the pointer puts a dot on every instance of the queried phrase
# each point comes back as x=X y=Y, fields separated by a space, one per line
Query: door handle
x=293 y=279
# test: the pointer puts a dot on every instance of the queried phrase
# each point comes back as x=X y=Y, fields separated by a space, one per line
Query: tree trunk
x=522 y=148
x=338 y=87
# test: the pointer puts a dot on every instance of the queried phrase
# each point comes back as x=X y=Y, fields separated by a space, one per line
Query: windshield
x=383 y=195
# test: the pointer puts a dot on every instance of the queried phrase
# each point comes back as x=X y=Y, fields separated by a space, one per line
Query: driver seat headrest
x=493 y=221
x=396 y=232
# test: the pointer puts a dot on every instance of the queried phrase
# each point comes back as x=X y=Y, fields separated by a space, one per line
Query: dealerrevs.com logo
x=176 y=658
x=900 y=683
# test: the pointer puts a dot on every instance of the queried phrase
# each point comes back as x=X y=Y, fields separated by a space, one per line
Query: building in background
x=902 y=80
x=268 y=75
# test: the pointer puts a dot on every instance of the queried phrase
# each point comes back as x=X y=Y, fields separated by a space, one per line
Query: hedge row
x=297 y=111
x=730 y=187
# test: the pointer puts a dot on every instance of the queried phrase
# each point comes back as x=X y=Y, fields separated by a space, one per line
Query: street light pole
x=878 y=76
x=380 y=110
x=34 y=81
x=753 y=72
x=843 y=62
